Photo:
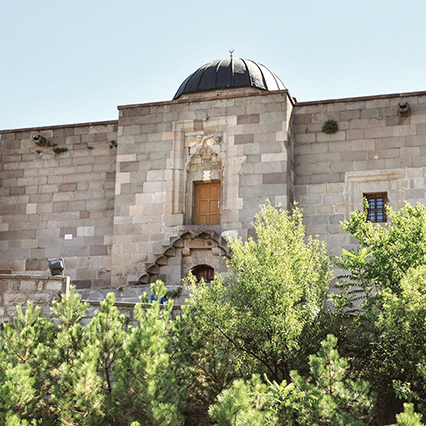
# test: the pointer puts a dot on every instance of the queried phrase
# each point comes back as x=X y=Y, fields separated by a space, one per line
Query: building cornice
x=362 y=98
x=216 y=95
x=59 y=126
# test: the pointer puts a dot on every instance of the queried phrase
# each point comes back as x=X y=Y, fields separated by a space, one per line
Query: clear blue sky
x=75 y=61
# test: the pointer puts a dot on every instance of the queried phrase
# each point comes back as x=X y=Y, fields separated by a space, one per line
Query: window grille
x=376 y=210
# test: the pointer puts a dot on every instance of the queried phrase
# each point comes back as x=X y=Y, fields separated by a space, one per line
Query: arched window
x=204 y=272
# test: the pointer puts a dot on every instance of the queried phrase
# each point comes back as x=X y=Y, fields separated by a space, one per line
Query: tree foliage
x=271 y=301
x=245 y=344
x=399 y=348
x=26 y=343
x=245 y=403
x=146 y=387
x=386 y=274
x=326 y=397
x=385 y=253
x=330 y=397
x=100 y=373
x=408 y=417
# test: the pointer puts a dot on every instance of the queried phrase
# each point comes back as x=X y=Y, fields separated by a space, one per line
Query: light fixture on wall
x=40 y=140
x=56 y=266
x=404 y=109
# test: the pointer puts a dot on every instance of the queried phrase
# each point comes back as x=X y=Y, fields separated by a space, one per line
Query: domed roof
x=230 y=73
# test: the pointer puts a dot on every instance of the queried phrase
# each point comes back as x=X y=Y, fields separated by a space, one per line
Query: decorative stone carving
x=200 y=243
x=202 y=150
x=199 y=140
x=195 y=246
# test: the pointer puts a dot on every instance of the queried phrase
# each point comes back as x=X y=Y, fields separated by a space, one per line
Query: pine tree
x=76 y=392
x=146 y=389
x=26 y=344
x=408 y=417
x=329 y=397
x=243 y=404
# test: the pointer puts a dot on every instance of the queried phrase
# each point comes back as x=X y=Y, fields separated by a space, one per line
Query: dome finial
x=231 y=51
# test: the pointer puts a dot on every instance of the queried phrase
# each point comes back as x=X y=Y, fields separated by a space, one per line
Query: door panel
x=207 y=203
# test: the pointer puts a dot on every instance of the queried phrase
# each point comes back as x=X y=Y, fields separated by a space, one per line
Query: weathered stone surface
x=15 y=298
x=243 y=139
x=124 y=190
x=40 y=297
x=54 y=285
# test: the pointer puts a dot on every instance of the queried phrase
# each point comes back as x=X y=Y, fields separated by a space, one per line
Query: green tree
x=330 y=397
x=384 y=253
x=205 y=364
x=408 y=417
x=327 y=397
x=267 y=313
x=243 y=404
x=48 y=373
x=76 y=394
x=389 y=302
x=99 y=373
x=107 y=336
x=146 y=389
x=399 y=347
x=25 y=345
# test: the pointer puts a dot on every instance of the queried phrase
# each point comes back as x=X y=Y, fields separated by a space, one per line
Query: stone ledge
x=33 y=277
x=59 y=126
x=360 y=98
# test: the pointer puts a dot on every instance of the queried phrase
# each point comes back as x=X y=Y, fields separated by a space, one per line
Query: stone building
x=154 y=193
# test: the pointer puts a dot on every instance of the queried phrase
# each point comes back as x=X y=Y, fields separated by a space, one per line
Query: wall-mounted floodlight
x=56 y=266
x=39 y=140
x=404 y=109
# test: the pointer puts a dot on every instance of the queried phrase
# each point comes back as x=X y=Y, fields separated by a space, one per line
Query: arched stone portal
x=190 y=250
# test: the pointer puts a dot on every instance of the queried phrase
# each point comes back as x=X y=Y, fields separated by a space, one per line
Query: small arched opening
x=203 y=272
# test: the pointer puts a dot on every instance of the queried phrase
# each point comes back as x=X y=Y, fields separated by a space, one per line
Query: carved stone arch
x=190 y=249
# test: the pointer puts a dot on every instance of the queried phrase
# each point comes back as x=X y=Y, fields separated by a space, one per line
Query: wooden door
x=207 y=203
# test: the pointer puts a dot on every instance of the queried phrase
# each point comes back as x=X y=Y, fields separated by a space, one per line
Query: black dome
x=228 y=73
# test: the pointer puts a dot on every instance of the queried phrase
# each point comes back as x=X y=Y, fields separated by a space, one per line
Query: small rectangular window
x=376 y=210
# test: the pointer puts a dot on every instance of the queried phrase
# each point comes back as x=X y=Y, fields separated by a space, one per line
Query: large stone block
x=350 y=115
x=248 y=119
x=14 y=298
x=353 y=155
x=243 y=139
x=28 y=285
x=404 y=130
x=53 y=285
x=270 y=167
x=396 y=163
x=338 y=136
x=273 y=178
x=40 y=297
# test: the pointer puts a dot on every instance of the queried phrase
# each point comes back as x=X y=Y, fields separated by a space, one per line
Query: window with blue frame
x=376 y=210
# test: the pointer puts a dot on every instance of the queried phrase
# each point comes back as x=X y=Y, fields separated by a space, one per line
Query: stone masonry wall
x=375 y=150
x=58 y=204
x=165 y=148
x=20 y=289
x=116 y=200
x=125 y=308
